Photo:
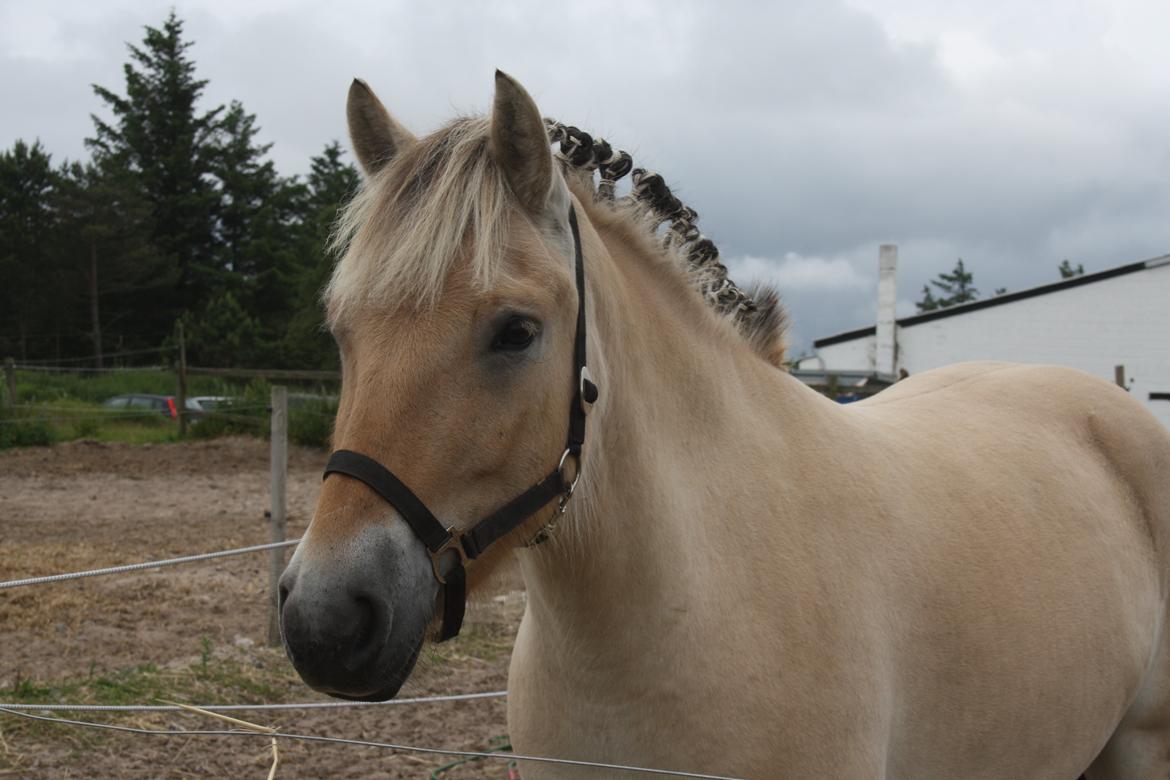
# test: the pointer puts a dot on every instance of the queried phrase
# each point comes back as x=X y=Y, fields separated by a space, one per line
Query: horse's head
x=454 y=307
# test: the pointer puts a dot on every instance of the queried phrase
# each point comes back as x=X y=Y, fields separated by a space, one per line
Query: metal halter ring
x=454 y=542
x=569 y=488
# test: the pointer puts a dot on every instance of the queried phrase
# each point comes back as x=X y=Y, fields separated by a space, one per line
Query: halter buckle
x=454 y=542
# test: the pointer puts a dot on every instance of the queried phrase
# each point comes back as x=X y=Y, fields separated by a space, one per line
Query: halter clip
x=454 y=542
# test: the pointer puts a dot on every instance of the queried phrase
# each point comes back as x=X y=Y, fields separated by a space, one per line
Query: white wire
x=365 y=743
x=90 y=369
x=147 y=565
x=311 y=705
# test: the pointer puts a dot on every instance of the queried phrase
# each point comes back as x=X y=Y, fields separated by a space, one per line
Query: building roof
x=998 y=300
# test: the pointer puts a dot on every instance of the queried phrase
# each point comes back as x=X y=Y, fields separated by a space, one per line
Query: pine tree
x=260 y=216
x=331 y=183
x=928 y=302
x=248 y=185
x=28 y=186
x=223 y=334
x=158 y=134
x=105 y=234
x=956 y=287
x=1067 y=271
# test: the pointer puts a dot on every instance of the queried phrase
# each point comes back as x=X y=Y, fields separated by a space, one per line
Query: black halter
x=468 y=545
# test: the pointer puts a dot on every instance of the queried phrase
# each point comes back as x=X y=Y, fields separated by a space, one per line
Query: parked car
x=142 y=402
x=208 y=403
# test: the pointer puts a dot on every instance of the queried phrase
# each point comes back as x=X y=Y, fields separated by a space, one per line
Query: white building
x=1094 y=322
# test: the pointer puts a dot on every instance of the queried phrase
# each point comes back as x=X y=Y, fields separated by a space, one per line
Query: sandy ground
x=83 y=505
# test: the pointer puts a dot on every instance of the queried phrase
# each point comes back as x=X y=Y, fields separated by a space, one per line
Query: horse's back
x=1013 y=408
x=1037 y=559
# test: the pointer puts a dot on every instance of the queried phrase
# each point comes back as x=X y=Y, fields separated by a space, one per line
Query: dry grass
x=194 y=633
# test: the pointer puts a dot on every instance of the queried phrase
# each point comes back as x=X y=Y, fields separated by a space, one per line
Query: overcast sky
x=806 y=133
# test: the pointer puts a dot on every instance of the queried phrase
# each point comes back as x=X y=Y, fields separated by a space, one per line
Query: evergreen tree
x=222 y=333
x=1067 y=271
x=955 y=288
x=28 y=186
x=105 y=234
x=260 y=216
x=248 y=185
x=928 y=302
x=158 y=133
x=331 y=183
x=180 y=213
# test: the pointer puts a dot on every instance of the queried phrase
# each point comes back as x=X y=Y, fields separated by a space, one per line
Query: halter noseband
x=447 y=544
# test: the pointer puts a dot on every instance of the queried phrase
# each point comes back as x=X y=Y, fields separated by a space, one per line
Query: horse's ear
x=519 y=143
x=376 y=137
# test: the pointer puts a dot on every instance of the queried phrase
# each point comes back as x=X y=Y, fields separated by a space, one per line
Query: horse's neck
x=674 y=425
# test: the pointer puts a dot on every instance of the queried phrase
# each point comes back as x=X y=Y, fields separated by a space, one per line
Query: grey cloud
x=803 y=132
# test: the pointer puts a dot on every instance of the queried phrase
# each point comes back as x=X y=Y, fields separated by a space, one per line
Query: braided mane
x=758 y=313
x=447 y=185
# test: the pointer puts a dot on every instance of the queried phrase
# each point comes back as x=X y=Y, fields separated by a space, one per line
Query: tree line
x=178 y=215
x=959 y=286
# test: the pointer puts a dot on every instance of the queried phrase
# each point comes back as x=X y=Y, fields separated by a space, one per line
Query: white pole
x=885 y=354
x=278 y=504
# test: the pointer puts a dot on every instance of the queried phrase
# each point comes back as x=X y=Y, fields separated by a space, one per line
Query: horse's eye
x=516 y=335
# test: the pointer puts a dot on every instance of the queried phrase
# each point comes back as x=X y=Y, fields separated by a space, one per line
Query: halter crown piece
x=451 y=549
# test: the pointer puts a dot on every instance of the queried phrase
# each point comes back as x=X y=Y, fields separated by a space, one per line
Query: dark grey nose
x=353 y=619
x=333 y=645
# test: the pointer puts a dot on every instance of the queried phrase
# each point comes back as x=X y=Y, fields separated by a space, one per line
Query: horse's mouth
x=392 y=682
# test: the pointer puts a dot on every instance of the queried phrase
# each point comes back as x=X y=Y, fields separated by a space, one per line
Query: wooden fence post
x=1119 y=377
x=182 y=396
x=10 y=379
x=278 y=478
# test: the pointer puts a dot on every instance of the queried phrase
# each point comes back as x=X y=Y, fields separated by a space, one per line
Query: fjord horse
x=963 y=577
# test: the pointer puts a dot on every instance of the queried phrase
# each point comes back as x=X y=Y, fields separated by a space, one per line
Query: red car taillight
x=171 y=407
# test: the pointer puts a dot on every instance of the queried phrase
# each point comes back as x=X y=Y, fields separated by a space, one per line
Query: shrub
x=311 y=424
x=86 y=428
x=16 y=431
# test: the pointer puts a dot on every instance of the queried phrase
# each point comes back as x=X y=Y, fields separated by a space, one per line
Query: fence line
x=310 y=705
x=145 y=565
x=73 y=418
x=92 y=358
x=366 y=743
x=89 y=369
x=271 y=374
x=226 y=412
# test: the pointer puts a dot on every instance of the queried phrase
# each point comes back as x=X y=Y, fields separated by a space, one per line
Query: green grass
x=36 y=387
x=207 y=681
x=222 y=678
x=71 y=419
x=56 y=407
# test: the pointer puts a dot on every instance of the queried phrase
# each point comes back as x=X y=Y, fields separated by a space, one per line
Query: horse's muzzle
x=353 y=626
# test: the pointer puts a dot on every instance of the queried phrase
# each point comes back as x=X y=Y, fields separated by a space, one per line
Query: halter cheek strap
x=451 y=549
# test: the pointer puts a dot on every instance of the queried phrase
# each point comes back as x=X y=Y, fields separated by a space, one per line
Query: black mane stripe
x=759 y=315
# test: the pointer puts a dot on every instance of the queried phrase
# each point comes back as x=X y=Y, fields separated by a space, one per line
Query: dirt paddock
x=196 y=633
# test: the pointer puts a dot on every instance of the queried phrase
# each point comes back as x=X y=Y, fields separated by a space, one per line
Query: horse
x=964 y=576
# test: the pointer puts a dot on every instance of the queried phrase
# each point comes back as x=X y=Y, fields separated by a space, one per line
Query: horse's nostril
x=370 y=630
x=282 y=596
x=366 y=620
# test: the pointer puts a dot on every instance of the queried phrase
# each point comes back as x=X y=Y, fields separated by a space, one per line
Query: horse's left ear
x=519 y=144
x=376 y=137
